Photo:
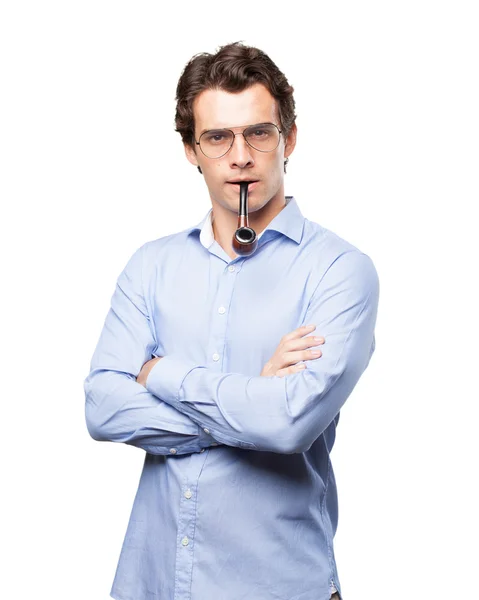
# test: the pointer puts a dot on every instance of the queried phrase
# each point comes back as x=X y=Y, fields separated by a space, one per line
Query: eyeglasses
x=263 y=137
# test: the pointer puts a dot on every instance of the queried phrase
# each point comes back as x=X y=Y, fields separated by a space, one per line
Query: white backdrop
x=91 y=168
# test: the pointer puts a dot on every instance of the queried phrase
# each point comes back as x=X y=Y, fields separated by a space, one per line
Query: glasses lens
x=216 y=142
x=263 y=137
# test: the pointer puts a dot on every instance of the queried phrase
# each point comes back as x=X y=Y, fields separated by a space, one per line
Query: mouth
x=251 y=184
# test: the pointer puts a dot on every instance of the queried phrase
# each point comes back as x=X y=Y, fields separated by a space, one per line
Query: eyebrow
x=244 y=126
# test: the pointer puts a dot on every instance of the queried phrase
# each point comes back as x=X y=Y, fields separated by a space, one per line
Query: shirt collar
x=289 y=221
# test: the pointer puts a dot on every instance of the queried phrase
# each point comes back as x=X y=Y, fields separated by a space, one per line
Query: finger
x=291 y=370
x=302 y=343
x=300 y=331
x=293 y=358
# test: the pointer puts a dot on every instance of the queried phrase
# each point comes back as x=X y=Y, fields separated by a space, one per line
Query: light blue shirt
x=237 y=498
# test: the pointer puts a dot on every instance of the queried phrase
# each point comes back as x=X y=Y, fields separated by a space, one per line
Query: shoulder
x=144 y=259
x=153 y=250
x=325 y=240
x=338 y=260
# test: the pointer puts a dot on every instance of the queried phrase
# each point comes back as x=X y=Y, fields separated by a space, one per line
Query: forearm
x=275 y=414
x=284 y=414
x=118 y=409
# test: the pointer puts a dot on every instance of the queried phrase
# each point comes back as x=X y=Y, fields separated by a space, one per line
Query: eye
x=215 y=137
x=259 y=133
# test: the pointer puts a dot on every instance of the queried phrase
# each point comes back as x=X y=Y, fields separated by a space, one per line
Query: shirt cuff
x=165 y=380
x=166 y=377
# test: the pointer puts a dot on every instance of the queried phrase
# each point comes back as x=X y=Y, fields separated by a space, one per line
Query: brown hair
x=234 y=68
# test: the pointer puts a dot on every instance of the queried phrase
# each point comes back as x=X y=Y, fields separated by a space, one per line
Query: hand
x=145 y=370
x=290 y=351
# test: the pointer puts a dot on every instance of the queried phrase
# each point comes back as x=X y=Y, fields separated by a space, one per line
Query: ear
x=190 y=154
x=290 y=141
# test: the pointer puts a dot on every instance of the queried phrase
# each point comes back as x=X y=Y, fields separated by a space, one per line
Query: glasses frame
x=234 y=137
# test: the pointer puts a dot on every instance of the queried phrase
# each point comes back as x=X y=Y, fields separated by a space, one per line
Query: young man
x=206 y=362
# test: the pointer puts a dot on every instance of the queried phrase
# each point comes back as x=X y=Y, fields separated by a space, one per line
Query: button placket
x=218 y=323
x=186 y=533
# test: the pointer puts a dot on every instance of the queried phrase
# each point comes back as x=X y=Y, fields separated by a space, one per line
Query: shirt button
x=173 y=450
x=184 y=541
x=202 y=450
x=188 y=494
x=222 y=310
x=216 y=356
x=206 y=430
x=231 y=269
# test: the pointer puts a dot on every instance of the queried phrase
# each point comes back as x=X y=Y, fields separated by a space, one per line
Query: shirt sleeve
x=286 y=414
x=117 y=408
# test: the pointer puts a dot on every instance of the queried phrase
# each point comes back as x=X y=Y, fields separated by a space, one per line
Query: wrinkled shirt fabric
x=237 y=498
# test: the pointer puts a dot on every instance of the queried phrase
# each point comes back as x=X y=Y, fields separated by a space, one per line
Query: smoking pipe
x=245 y=240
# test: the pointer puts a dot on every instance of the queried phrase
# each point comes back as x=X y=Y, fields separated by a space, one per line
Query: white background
x=91 y=168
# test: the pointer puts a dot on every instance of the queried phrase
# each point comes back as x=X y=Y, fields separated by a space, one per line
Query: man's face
x=217 y=109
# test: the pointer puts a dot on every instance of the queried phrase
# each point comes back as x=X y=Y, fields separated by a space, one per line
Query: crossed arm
x=189 y=406
x=117 y=407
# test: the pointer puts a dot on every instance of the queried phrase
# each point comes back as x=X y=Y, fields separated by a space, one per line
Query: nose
x=240 y=154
